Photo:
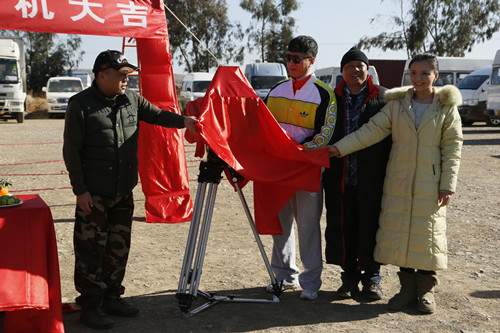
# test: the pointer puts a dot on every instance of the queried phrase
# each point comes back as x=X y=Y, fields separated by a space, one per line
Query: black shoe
x=118 y=307
x=96 y=318
x=347 y=290
x=373 y=291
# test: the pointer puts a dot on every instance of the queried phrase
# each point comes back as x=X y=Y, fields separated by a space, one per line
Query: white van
x=59 y=90
x=493 y=102
x=194 y=86
x=332 y=76
x=452 y=70
x=473 y=89
x=263 y=76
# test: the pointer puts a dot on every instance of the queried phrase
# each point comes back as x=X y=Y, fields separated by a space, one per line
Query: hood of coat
x=448 y=95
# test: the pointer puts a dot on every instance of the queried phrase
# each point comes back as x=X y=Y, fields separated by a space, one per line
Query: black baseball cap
x=113 y=59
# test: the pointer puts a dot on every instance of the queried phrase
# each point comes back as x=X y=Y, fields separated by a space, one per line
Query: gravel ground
x=468 y=295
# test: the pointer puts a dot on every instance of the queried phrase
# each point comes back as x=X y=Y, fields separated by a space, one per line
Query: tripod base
x=212 y=300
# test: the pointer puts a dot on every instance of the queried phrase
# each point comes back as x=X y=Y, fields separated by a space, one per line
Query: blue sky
x=336 y=26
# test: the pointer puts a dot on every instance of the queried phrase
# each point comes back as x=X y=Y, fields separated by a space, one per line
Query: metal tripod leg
x=191 y=271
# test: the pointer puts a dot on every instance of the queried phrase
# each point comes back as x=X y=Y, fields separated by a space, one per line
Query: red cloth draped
x=238 y=127
x=162 y=161
x=30 y=288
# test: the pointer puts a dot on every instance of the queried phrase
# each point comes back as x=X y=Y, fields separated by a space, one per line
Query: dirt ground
x=468 y=295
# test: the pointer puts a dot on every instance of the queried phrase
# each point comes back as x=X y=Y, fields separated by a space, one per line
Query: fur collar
x=448 y=95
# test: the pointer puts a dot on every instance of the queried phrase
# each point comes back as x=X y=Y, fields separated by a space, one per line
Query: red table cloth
x=30 y=287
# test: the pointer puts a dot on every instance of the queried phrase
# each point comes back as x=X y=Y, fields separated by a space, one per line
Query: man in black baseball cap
x=113 y=59
x=100 y=151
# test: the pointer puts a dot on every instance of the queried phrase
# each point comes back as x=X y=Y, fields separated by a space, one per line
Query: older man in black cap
x=353 y=184
x=100 y=151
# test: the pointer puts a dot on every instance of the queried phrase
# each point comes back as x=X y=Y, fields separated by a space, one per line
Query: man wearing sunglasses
x=353 y=184
x=306 y=109
x=100 y=151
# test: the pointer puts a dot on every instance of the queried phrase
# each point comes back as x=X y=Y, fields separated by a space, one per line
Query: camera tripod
x=187 y=292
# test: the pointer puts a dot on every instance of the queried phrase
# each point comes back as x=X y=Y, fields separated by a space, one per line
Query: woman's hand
x=444 y=198
x=333 y=150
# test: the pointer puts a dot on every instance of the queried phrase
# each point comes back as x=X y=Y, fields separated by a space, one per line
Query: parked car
x=263 y=76
x=194 y=86
x=59 y=90
x=474 y=96
x=493 y=102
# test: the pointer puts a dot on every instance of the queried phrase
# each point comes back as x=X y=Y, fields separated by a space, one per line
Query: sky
x=335 y=25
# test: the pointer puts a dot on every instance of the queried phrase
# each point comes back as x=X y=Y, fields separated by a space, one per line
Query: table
x=30 y=286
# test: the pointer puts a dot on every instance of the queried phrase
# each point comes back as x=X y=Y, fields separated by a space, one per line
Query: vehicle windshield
x=200 y=86
x=8 y=71
x=265 y=82
x=133 y=82
x=472 y=82
x=65 y=85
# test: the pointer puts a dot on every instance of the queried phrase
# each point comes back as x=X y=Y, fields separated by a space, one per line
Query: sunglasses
x=295 y=58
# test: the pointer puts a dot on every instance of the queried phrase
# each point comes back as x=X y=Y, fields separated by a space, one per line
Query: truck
x=194 y=86
x=493 y=102
x=12 y=78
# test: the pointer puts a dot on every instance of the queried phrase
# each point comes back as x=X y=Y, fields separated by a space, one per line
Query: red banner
x=162 y=161
x=132 y=18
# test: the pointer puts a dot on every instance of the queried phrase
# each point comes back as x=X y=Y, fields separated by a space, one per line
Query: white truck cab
x=12 y=78
x=59 y=89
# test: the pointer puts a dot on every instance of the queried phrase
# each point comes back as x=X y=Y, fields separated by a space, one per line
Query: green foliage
x=273 y=28
x=442 y=27
x=208 y=20
x=48 y=55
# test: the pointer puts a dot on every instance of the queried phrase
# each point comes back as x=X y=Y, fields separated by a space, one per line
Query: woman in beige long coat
x=421 y=176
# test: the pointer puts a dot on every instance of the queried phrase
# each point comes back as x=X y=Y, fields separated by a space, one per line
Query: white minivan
x=263 y=76
x=194 y=86
x=493 y=102
x=332 y=76
x=473 y=89
x=452 y=70
x=59 y=90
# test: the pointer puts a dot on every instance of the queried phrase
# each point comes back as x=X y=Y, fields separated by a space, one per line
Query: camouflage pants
x=101 y=242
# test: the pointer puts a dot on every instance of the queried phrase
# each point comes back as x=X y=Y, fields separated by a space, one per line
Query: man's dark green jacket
x=101 y=140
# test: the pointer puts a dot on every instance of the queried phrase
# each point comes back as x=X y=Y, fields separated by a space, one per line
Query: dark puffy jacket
x=101 y=140
x=372 y=162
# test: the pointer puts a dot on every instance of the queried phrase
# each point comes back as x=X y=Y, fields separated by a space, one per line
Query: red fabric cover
x=239 y=128
x=30 y=287
x=145 y=18
x=162 y=161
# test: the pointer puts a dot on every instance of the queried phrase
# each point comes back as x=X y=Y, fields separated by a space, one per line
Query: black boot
x=96 y=318
x=118 y=307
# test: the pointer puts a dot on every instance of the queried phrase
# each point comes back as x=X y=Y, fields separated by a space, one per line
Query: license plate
x=64 y=107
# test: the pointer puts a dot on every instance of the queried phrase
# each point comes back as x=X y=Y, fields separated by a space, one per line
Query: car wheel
x=20 y=117
x=467 y=122
x=495 y=122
